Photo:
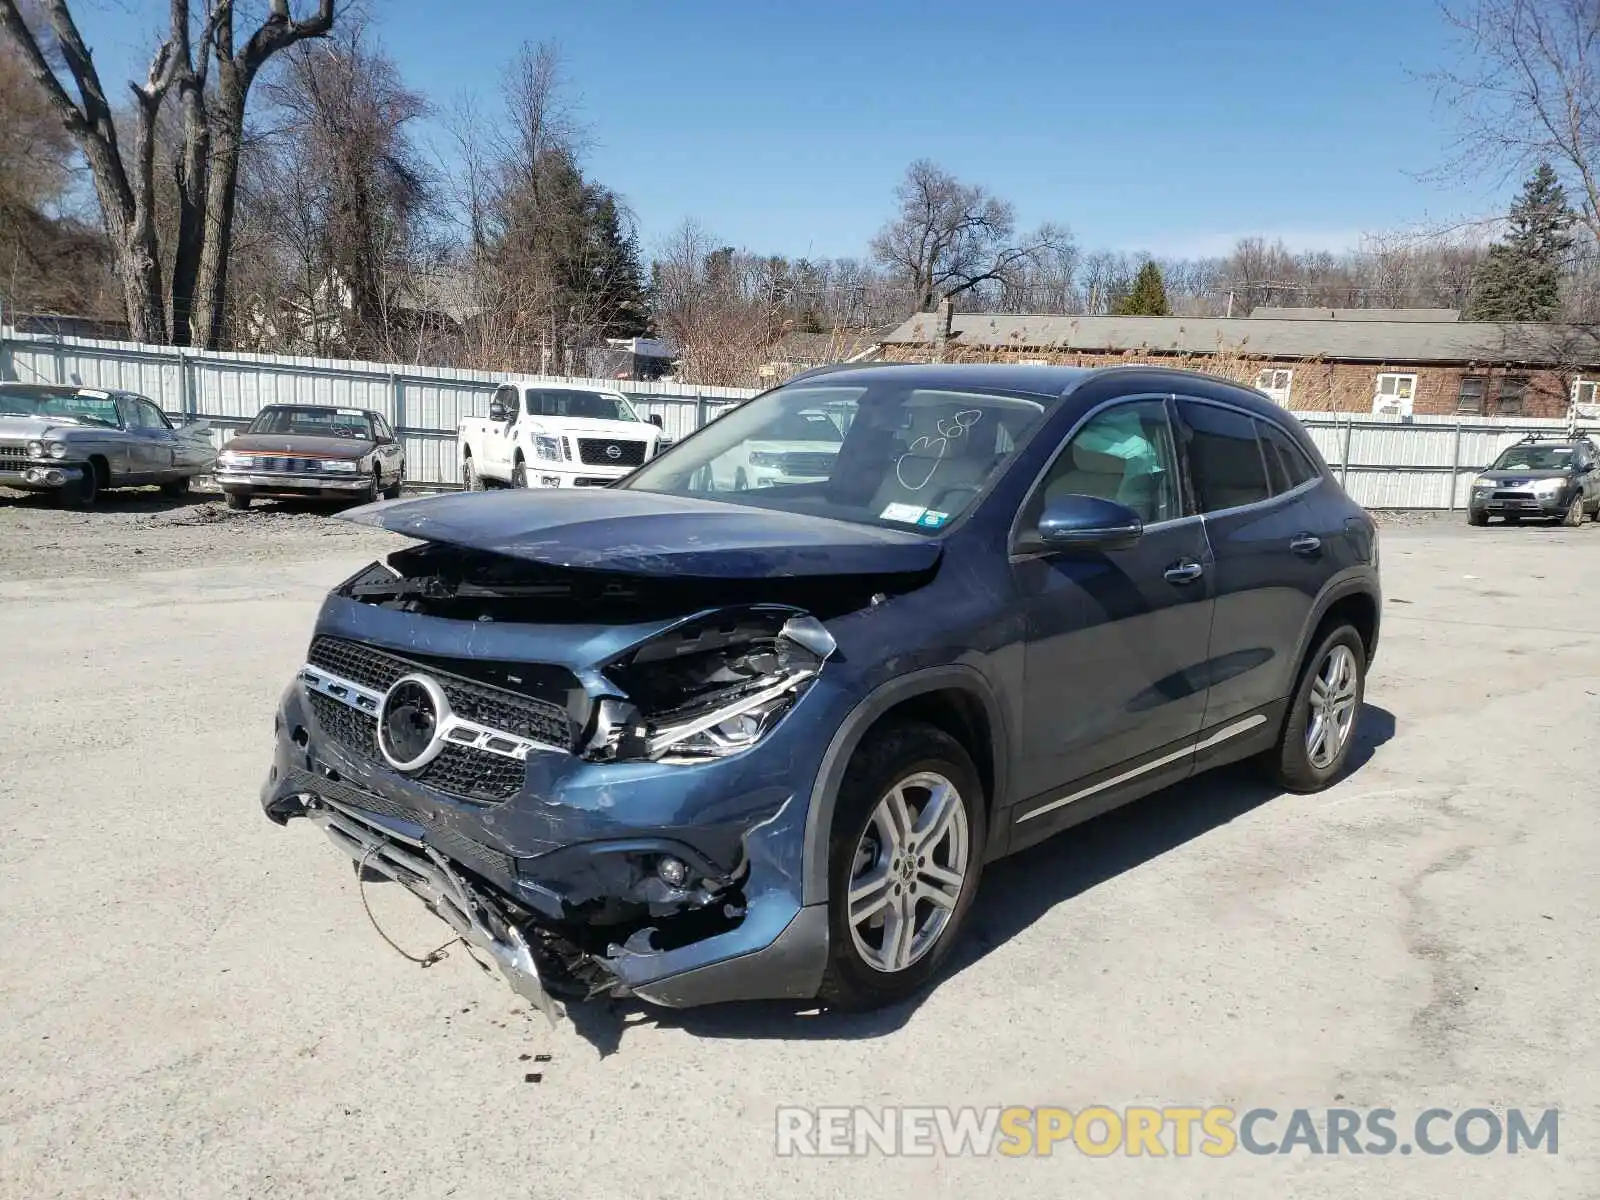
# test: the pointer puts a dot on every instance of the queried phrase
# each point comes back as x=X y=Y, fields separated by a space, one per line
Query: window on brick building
x=1276 y=382
x=1512 y=397
x=1470 y=398
x=1586 y=396
x=1394 y=394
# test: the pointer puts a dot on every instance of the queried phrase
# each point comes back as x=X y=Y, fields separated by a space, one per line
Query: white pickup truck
x=538 y=435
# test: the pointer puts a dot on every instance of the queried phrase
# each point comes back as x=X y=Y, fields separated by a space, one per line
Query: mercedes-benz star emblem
x=613 y=451
x=409 y=720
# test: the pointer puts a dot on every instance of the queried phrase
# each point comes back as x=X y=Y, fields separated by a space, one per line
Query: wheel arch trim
x=842 y=747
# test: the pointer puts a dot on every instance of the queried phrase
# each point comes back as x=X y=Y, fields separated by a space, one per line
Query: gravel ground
x=192 y=1003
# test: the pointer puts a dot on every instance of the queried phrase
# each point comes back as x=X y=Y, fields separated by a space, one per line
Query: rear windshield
x=314 y=422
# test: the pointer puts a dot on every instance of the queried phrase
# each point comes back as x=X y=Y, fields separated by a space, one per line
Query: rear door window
x=1225 y=459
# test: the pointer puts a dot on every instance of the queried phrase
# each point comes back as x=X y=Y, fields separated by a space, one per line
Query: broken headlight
x=710 y=688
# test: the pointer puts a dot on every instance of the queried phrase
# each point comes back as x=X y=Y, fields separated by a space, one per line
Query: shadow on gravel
x=123 y=500
x=1015 y=893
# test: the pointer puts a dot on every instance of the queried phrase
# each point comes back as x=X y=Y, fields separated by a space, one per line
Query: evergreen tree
x=616 y=273
x=1520 y=279
x=1148 y=297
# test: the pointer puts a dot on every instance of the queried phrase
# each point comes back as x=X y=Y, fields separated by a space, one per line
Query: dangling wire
x=427 y=960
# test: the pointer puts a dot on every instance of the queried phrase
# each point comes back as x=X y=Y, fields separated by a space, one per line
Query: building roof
x=1397 y=342
x=1354 y=314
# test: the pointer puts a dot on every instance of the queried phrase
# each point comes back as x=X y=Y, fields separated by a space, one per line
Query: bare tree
x=950 y=237
x=212 y=73
x=717 y=305
x=1530 y=91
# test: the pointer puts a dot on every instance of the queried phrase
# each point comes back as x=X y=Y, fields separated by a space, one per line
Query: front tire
x=392 y=492
x=519 y=474
x=1477 y=518
x=176 y=488
x=1574 y=514
x=237 y=502
x=470 y=478
x=1319 y=728
x=86 y=491
x=905 y=855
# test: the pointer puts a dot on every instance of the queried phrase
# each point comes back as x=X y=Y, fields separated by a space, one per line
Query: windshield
x=1534 y=458
x=313 y=422
x=89 y=408
x=906 y=456
x=558 y=402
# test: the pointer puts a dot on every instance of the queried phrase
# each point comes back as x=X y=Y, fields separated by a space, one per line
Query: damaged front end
x=598 y=779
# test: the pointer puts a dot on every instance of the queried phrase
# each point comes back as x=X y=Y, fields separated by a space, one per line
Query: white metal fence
x=1383 y=461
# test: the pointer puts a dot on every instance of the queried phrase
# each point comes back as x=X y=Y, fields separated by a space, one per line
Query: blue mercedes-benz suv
x=697 y=740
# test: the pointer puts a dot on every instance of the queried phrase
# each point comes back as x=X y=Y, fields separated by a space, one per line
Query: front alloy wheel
x=905 y=854
x=909 y=868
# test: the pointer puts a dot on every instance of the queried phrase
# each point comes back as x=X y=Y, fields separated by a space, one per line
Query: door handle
x=1186 y=571
x=1305 y=544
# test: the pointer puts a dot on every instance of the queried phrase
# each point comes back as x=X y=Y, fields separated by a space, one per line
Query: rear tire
x=1332 y=689
x=913 y=865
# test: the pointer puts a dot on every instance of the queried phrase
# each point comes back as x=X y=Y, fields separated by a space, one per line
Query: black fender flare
x=825 y=787
x=1357 y=583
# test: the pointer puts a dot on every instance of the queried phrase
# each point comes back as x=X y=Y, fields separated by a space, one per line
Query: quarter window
x=1126 y=454
x=1470 y=398
x=1287 y=464
x=1276 y=383
x=1225 y=458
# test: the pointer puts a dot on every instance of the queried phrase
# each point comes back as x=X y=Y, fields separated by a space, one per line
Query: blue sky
x=1160 y=125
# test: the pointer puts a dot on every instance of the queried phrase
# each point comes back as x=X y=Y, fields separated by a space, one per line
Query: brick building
x=1345 y=360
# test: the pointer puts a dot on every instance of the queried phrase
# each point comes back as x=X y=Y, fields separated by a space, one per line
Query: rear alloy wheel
x=519 y=474
x=1574 y=516
x=1319 y=729
x=905 y=854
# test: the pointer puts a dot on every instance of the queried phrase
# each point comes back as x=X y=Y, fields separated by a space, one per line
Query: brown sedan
x=312 y=452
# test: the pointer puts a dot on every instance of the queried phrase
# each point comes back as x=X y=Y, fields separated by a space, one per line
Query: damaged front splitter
x=428 y=875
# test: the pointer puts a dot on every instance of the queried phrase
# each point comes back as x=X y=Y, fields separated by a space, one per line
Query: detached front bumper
x=270 y=483
x=565 y=894
x=44 y=475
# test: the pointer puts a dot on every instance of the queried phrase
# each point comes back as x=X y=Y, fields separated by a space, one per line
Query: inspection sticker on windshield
x=933 y=520
x=905 y=514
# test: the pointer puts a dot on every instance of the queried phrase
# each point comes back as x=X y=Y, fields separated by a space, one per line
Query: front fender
x=825 y=788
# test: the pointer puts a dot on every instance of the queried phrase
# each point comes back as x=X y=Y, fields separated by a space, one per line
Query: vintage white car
x=76 y=442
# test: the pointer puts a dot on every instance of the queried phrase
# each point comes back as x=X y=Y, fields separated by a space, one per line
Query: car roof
x=1042 y=379
x=332 y=408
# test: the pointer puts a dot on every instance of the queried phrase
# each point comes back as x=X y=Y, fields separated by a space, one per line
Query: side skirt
x=1035 y=819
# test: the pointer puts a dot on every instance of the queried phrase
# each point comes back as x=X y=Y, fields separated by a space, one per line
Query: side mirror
x=655 y=419
x=1087 y=523
x=497 y=411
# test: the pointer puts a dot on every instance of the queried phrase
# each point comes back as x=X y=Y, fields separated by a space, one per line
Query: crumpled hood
x=646 y=533
x=299 y=443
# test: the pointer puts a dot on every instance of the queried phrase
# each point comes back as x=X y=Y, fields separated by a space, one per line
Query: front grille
x=291 y=465
x=355 y=732
x=14 y=452
x=803 y=464
x=596 y=452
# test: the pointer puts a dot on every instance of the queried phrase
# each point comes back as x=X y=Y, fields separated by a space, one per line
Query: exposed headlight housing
x=710 y=688
x=549 y=447
x=341 y=464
